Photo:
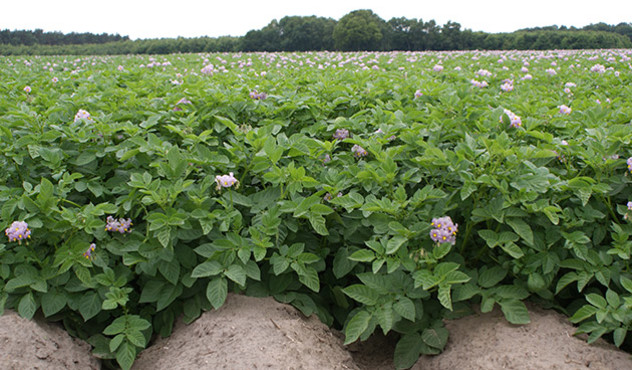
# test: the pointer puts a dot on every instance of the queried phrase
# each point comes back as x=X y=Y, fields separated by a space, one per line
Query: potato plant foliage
x=152 y=187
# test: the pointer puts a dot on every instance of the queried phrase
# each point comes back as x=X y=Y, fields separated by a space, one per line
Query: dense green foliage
x=23 y=37
x=533 y=171
x=356 y=31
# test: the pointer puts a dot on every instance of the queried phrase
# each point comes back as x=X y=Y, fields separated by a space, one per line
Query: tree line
x=38 y=36
x=360 y=30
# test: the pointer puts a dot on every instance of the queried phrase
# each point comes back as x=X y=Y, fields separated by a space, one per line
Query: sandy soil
x=34 y=344
x=249 y=333
x=488 y=341
x=260 y=333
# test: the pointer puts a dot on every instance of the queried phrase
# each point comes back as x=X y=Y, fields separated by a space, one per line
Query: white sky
x=193 y=18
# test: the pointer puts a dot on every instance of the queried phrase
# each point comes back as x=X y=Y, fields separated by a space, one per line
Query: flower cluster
x=479 y=84
x=121 y=225
x=257 y=95
x=358 y=151
x=226 y=181
x=208 y=70
x=27 y=89
x=437 y=68
x=181 y=101
x=565 y=109
x=88 y=252
x=630 y=164
x=483 y=73
x=18 y=231
x=82 y=114
x=598 y=68
x=329 y=197
x=418 y=94
x=341 y=134
x=507 y=86
x=515 y=121
x=551 y=72
x=444 y=230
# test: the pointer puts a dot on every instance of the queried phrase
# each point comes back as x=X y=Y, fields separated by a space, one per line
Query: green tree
x=359 y=30
x=306 y=33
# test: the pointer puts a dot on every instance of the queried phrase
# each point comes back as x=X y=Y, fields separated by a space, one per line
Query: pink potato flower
x=18 y=231
x=82 y=114
x=121 y=225
x=226 y=181
x=444 y=230
x=565 y=109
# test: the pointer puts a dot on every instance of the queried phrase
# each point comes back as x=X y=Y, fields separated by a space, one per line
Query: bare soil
x=260 y=333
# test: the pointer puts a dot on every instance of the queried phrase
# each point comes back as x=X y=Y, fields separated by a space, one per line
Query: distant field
x=320 y=179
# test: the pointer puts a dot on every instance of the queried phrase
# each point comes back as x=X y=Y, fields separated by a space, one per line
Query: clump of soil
x=488 y=341
x=249 y=333
x=34 y=344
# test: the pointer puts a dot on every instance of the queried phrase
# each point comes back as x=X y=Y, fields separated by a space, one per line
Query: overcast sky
x=193 y=18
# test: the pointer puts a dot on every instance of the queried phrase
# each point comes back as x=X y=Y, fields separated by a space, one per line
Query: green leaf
x=626 y=283
x=444 y=296
x=237 y=274
x=217 y=291
x=152 y=291
x=125 y=355
x=385 y=317
x=405 y=308
x=208 y=268
x=583 y=313
x=511 y=292
x=441 y=250
x=491 y=277
x=342 y=263
x=170 y=270
x=596 y=300
x=407 y=351
x=395 y=243
x=46 y=190
x=487 y=304
x=164 y=236
x=53 y=302
x=435 y=337
x=515 y=311
x=362 y=294
x=613 y=298
x=513 y=250
x=27 y=306
x=307 y=258
x=136 y=338
x=362 y=255
x=465 y=292
x=536 y=282
x=116 y=342
x=318 y=223
x=425 y=279
x=309 y=277
x=566 y=279
x=84 y=158
x=521 y=228
x=253 y=271
x=116 y=327
x=456 y=277
x=356 y=326
x=89 y=305
x=619 y=336
x=279 y=264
